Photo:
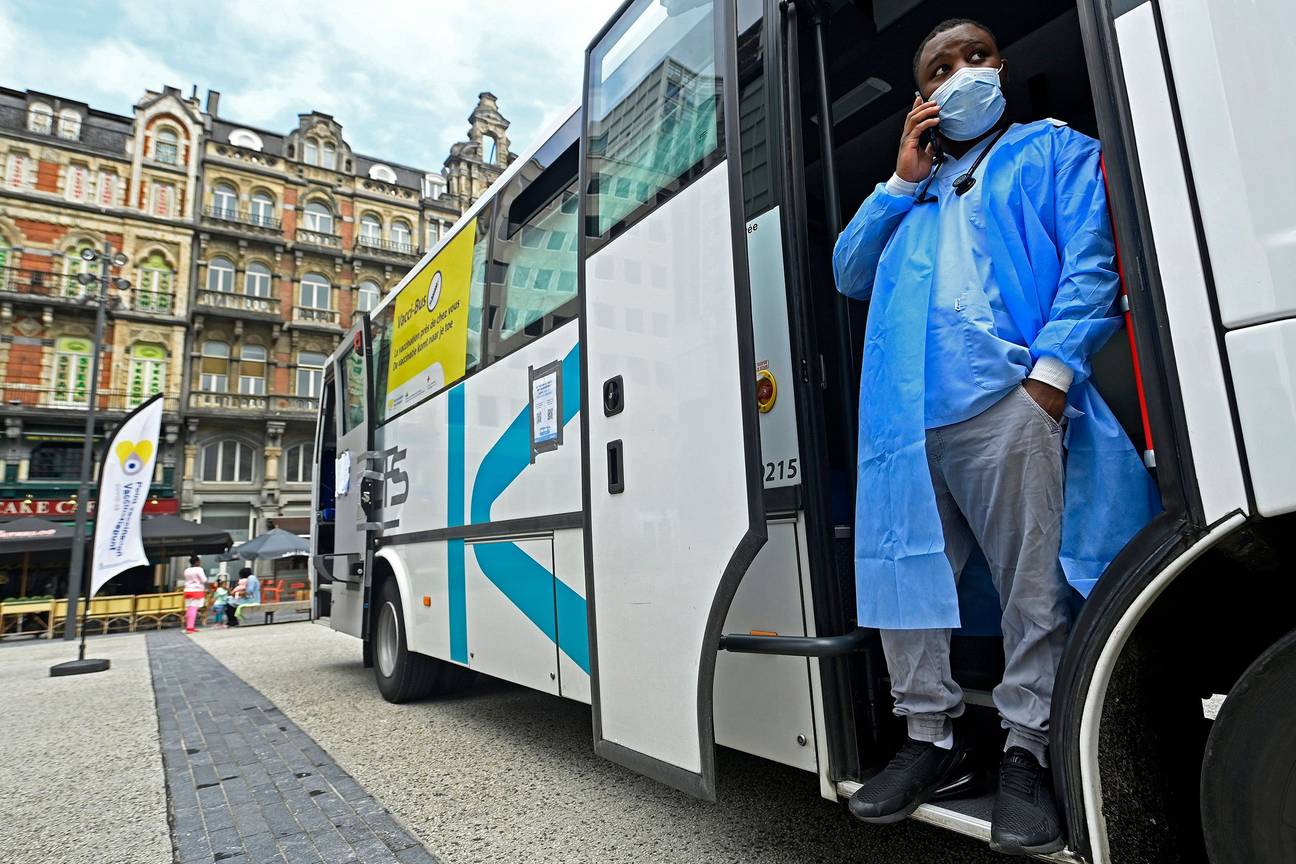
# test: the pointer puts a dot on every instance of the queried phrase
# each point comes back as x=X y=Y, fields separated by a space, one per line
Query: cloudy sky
x=400 y=76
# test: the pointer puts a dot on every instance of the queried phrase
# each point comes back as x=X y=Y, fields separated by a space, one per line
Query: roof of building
x=100 y=130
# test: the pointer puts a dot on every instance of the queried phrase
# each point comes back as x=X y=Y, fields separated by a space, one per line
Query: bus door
x=355 y=484
x=672 y=461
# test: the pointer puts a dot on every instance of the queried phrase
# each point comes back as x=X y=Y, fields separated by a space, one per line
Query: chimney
x=213 y=101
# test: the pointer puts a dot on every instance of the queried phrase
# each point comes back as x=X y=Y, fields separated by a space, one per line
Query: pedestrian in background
x=251 y=593
x=195 y=592
x=220 y=598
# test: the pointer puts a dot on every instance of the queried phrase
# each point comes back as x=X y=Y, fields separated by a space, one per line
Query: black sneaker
x=1025 y=818
x=918 y=770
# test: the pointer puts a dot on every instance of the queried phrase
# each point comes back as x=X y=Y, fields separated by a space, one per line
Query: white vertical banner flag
x=125 y=476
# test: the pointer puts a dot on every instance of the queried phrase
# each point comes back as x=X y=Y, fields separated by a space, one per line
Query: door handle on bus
x=797 y=646
x=615 y=467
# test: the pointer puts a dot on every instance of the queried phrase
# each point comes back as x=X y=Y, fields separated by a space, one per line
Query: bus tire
x=402 y=674
x=1247 y=788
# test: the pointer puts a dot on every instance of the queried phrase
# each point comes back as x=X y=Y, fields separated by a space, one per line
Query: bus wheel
x=1248 y=783
x=402 y=675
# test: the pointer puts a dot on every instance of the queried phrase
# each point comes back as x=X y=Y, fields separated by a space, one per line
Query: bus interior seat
x=870 y=48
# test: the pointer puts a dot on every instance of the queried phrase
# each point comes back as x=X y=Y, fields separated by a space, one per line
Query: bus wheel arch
x=1193 y=632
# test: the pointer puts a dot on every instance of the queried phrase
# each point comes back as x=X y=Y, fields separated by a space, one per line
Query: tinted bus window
x=653 y=110
x=753 y=112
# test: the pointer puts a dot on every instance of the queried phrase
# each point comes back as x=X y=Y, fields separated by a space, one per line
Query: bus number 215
x=783 y=469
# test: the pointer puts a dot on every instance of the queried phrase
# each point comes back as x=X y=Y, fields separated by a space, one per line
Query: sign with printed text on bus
x=430 y=331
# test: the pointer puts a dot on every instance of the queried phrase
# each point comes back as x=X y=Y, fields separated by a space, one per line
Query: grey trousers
x=998 y=482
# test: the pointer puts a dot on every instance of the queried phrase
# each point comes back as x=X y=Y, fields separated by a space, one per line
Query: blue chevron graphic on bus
x=525 y=582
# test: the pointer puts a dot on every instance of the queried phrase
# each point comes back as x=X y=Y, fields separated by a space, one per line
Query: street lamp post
x=107 y=259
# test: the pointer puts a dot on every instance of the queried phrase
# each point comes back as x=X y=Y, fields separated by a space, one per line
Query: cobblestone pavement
x=247 y=786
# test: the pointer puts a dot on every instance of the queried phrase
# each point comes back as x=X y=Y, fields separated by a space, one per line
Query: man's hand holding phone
x=917 y=151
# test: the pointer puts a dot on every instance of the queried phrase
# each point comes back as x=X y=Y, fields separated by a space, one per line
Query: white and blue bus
x=600 y=441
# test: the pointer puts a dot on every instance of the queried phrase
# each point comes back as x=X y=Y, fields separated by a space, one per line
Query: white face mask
x=971 y=102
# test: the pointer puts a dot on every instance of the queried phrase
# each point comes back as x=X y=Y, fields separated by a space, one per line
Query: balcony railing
x=41 y=283
x=210 y=400
x=237 y=302
x=17 y=396
x=378 y=244
x=319 y=238
x=311 y=315
x=157 y=302
x=244 y=218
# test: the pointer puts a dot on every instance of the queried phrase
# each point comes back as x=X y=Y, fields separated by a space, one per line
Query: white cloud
x=401 y=76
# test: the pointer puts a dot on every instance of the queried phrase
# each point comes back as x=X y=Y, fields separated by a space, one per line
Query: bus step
x=967 y=816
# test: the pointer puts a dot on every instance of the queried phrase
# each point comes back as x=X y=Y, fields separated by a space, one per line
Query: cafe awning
x=170 y=536
x=34 y=535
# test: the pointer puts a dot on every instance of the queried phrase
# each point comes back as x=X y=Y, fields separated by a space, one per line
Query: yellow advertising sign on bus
x=430 y=327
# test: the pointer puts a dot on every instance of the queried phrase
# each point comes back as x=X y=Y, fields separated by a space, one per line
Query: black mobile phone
x=928 y=138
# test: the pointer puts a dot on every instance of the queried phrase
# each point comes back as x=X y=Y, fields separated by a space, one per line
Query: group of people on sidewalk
x=227 y=604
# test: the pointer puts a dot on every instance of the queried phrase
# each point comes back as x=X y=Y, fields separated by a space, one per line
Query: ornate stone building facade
x=250 y=252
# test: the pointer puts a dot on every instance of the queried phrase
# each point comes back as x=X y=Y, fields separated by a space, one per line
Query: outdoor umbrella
x=275 y=543
x=173 y=536
x=25 y=536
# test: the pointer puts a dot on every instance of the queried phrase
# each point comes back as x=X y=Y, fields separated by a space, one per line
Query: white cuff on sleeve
x=897 y=185
x=1053 y=372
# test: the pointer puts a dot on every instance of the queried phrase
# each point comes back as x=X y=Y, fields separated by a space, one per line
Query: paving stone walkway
x=246 y=786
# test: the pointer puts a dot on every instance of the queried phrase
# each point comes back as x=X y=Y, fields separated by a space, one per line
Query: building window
x=164 y=198
x=490 y=149
x=72 y=356
x=220 y=275
x=74 y=265
x=256 y=281
x=318 y=218
x=77 y=183
x=370 y=230
x=107 y=189
x=225 y=201
x=368 y=296
x=69 y=125
x=166 y=146
x=400 y=235
x=299 y=463
x=16 y=170
x=330 y=156
x=214 y=370
x=252 y=369
x=310 y=373
x=312 y=151
x=382 y=173
x=153 y=290
x=40 y=118
x=315 y=292
x=55 y=462
x=262 y=209
x=227 y=461
x=147 y=373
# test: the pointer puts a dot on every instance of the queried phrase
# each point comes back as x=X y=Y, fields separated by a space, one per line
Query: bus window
x=535 y=268
x=758 y=194
x=352 y=369
x=653 y=111
x=477 y=287
x=380 y=328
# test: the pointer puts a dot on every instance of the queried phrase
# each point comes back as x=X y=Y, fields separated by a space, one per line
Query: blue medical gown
x=1052 y=258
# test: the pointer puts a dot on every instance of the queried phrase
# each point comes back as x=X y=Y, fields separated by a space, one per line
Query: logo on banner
x=134 y=455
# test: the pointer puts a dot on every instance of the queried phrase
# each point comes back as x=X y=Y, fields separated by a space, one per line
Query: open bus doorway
x=868 y=57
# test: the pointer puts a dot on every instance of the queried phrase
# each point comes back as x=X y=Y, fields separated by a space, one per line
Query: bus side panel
x=510 y=611
x=762 y=702
x=417 y=449
x=509 y=475
x=573 y=625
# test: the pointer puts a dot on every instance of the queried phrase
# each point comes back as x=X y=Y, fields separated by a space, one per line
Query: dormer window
x=311 y=153
x=40 y=118
x=382 y=173
x=69 y=124
x=245 y=138
x=330 y=156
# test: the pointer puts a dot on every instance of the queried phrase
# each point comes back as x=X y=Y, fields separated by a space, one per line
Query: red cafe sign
x=66 y=507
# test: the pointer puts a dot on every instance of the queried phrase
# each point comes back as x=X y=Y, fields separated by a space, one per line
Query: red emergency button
x=766 y=391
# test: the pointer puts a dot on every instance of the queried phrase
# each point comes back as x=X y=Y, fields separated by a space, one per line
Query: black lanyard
x=965 y=181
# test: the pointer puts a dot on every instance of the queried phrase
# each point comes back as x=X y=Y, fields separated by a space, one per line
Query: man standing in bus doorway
x=988 y=260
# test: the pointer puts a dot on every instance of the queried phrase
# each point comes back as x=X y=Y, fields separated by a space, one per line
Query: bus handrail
x=797 y=646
